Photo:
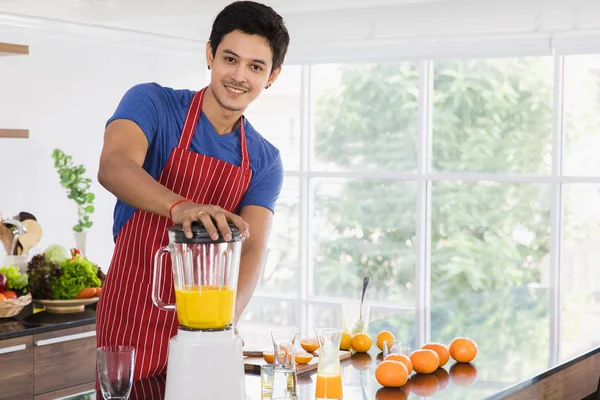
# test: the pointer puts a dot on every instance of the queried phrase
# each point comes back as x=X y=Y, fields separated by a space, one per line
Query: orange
x=269 y=357
x=310 y=345
x=345 y=342
x=463 y=374
x=303 y=358
x=381 y=336
x=463 y=350
x=424 y=385
x=441 y=350
x=361 y=342
x=403 y=359
x=391 y=373
x=425 y=361
x=386 y=393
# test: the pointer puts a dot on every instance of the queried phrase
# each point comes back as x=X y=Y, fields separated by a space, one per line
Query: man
x=177 y=156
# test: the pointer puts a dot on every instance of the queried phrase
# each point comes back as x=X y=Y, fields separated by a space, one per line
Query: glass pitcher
x=329 y=375
x=205 y=276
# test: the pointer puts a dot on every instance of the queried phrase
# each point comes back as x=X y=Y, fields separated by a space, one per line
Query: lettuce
x=56 y=253
x=75 y=275
x=40 y=272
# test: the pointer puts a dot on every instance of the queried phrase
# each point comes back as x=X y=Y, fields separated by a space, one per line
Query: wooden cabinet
x=16 y=376
x=48 y=365
x=64 y=359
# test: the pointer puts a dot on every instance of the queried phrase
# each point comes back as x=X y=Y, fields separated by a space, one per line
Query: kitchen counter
x=519 y=355
x=29 y=323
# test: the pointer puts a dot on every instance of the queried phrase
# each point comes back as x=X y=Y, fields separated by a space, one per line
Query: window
x=366 y=116
x=580 y=255
x=441 y=181
x=582 y=115
x=363 y=228
x=493 y=115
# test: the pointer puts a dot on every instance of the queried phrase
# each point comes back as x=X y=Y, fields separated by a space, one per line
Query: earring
x=268 y=86
x=209 y=67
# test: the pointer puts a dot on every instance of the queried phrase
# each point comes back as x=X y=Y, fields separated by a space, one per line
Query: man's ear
x=209 y=55
x=274 y=75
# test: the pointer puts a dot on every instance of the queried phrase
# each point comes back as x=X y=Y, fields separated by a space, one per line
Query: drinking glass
x=266 y=377
x=115 y=371
x=285 y=381
x=391 y=347
x=351 y=313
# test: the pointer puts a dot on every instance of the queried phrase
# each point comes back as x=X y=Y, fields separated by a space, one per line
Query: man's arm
x=121 y=173
x=253 y=256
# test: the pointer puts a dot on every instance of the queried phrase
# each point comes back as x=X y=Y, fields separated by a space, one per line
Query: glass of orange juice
x=329 y=376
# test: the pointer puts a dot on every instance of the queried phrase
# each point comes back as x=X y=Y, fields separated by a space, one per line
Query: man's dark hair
x=253 y=19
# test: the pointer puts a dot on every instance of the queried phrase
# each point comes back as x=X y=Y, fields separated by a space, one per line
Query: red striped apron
x=125 y=312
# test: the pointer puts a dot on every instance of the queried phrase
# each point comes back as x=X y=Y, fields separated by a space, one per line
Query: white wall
x=64 y=92
x=422 y=29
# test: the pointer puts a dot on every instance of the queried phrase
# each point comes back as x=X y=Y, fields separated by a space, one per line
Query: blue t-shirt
x=160 y=112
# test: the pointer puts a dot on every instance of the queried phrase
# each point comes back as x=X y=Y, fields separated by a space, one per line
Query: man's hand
x=187 y=212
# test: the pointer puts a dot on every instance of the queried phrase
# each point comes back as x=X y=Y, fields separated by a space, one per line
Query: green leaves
x=72 y=179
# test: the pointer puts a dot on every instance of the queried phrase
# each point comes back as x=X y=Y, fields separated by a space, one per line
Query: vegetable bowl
x=64 y=284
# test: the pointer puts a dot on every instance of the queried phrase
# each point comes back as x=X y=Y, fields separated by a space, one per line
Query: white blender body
x=205 y=358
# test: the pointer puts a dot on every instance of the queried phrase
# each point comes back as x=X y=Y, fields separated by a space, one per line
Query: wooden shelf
x=8 y=49
x=14 y=133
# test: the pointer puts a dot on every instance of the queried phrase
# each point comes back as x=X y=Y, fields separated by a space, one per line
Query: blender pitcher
x=206 y=354
x=205 y=275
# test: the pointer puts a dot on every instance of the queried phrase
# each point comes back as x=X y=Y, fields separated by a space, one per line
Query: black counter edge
x=522 y=385
x=47 y=328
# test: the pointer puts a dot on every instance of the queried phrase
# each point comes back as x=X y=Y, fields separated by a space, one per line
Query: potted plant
x=72 y=178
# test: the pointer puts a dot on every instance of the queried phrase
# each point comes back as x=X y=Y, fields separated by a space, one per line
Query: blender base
x=205 y=365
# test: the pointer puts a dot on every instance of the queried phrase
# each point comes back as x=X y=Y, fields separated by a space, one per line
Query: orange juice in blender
x=205 y=307
x=329 y=376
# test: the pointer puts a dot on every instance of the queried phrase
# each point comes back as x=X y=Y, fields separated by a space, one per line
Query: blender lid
x=200 y=235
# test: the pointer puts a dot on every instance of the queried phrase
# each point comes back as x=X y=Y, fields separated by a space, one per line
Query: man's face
x=241 y=69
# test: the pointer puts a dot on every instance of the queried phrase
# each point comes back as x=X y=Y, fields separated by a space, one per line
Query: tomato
x=2 y=298
x=9 y=294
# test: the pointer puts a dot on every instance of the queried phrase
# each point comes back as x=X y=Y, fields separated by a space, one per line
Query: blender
x=205 y=358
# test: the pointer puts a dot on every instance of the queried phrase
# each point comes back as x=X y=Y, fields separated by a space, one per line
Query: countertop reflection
x=516 y=331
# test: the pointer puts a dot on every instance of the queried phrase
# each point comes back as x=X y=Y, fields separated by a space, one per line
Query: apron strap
x=245 y=156
x=191 y=121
